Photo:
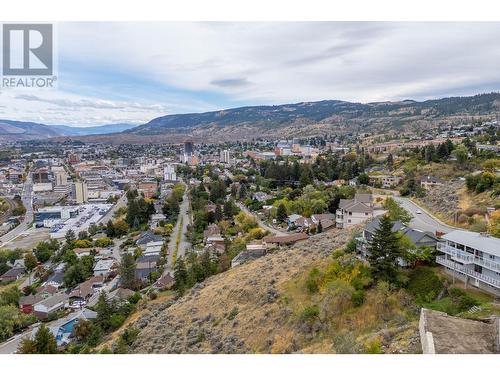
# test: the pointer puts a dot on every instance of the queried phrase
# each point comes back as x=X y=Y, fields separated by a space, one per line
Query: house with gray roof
x=354 y=211
x=417 y=237
x=472 y=257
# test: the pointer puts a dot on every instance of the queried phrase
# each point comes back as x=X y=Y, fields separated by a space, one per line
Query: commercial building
x=80 y=192
x=55 y=213
x=225 y=156
x=472 y=257
x=169 y=174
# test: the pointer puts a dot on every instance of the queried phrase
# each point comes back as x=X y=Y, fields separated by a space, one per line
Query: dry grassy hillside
x=257 y=307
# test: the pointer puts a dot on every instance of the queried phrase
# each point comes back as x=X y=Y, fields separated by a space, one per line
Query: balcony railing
x=467 y=271
x=467 y=258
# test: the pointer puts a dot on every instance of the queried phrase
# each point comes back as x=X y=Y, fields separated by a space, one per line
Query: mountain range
x=276 y=121
x=22 y=131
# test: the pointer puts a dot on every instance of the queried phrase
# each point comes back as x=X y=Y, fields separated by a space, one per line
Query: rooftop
x=478 y=241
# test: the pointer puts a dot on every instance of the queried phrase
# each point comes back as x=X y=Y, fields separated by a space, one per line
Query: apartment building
x=472 y=257
x=354 y=211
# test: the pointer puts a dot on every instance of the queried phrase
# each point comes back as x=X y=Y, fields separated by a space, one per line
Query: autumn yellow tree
x=494 y=225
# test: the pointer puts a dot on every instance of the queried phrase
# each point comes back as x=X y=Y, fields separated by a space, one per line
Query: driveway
x=263 y=225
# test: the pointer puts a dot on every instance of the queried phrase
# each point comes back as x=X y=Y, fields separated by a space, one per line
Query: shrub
x=233 y=313
x=312 y=281
x=309 y=314
x=424 y=284
x=373 y=346
x=358 y=298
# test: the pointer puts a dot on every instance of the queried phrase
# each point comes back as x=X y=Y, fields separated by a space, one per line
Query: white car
x=418 y=212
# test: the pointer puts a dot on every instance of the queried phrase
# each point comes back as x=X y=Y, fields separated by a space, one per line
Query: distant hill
x=22 y=131
x=102 y=129
x=311 y=118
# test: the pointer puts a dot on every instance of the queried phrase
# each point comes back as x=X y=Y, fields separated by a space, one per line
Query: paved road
x=27 y=199
x=184 y=244
x=263 y=225
x=119 y=204
x=423 y=221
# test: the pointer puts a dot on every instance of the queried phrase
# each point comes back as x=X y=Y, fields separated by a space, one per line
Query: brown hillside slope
x=253 y=309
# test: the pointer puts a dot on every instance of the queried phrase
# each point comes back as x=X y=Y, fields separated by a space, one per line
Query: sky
x=118 y=72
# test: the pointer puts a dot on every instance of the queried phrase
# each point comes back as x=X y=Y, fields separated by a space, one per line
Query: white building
x=225 y=156
x=80 y=192
x=169 y=173
x=354 y=211
x=472 y=257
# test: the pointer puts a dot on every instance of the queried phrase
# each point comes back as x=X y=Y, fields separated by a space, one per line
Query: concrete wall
x=426 y=338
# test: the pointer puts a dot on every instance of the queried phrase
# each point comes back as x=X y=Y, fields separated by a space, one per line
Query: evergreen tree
x=320 y=227
x=385 y=249
x=243 y=191
x=127 y=271
x=180 y=276
x=218 y=213
x=281 y=214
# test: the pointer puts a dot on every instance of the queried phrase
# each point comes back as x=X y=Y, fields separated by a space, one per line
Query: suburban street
x=423 y=221
x=263 y=225
x=27 y=199
x=184 y=244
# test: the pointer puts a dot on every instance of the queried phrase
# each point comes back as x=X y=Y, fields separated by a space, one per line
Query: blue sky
x=134 y=72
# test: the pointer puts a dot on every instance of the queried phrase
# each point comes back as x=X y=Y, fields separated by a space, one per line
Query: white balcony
x=467 y=271
x=467 y=258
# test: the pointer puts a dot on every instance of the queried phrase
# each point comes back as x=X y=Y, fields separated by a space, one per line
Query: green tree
x=30 y=261
x=320 y=227
x=44 y=343
x=461 y=154
x=385 y=249
x=180 y=276
x=70 y=236
x=281 y=214
x=127 y=271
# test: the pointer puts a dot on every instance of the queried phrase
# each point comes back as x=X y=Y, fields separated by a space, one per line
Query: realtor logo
x=28 y=50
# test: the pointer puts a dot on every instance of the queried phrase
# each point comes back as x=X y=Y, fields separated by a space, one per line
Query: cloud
x=142 y=70
x=231 y=82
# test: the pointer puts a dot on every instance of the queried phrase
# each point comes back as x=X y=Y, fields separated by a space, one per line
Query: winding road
x=423 y=221
x=263 y=225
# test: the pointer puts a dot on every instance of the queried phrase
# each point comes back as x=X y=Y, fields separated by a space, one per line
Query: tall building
x=61 y=178
x=80 y=192
x=169 y=173
x=225 y=156
x=40 y=176
x=188 y=148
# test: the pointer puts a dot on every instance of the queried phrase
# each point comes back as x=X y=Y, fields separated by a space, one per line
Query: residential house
x=119 y=295
x=13 y=274
x=385 y=181
x=83 y=292
x=103 y=267
x=354 y=211
x=153 y=247
x=156 y=219
x=472 y=257
x=290 y=239
x=253 y=250
x=147 y=237
x=56 y=279
x=46 y=291
x=26 y=303
x=417 y=237
x=164 y=282
x=261 y=196
x=50 y=305
x=430 y=182
x=144 y=267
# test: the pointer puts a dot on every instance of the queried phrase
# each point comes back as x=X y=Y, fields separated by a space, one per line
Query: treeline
x=138 y=209
x=327 y=167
